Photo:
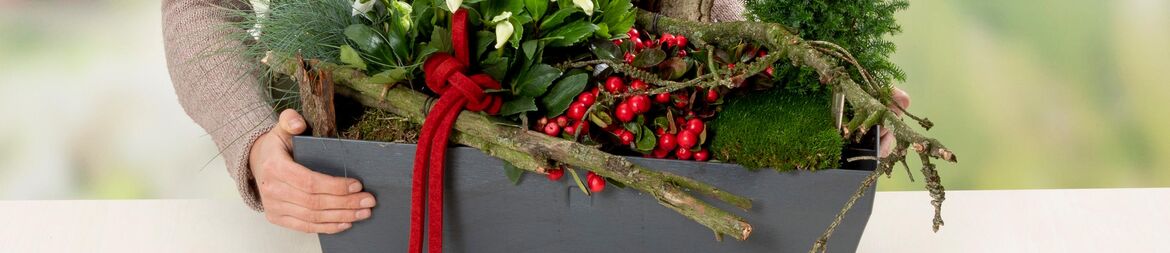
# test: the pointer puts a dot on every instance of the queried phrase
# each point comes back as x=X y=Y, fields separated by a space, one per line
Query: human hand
x=296 y=197
x=888 y=139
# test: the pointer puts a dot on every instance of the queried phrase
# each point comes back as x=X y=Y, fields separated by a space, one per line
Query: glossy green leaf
x=393 y=75
x=518 y=105
x=646 y=140
x=529 y=48
x=557 y=18
x=606 y=50
x=571 y=33
x=366 y=38
x=563 y=93
x=535 y=81
x=351 y=57
x=441 y=40
x=649 y=58
x=536 y=7
x=513 y=173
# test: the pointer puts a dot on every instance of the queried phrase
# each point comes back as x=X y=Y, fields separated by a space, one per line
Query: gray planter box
x=487 y=213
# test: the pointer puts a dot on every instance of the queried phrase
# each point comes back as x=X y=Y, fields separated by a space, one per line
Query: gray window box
x=485 y=212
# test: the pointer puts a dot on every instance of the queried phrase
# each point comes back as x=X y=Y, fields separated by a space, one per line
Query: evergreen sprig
x=860 y=26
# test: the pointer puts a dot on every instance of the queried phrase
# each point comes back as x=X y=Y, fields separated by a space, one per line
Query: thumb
x=290 y=124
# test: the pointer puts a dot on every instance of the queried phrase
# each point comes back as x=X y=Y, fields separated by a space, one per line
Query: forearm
x=215 y=84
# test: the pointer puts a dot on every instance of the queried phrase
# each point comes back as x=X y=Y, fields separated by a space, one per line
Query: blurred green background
x=1030 y=94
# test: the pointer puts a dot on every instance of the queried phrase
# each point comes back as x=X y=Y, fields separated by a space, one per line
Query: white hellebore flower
x=504 y=28
x=453 y=5
x=586 y=5
x=362 y=6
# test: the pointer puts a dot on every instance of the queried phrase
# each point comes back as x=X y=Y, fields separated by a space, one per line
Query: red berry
x=640 y=104
x=762 y=53
x=680 y=122
x=667 y=142
x=624 y=112
x=682 y=53
x=638 y=85
x=614 y=84
x=552 y=129
x=562 y=121
x=687 y=139
x=626 y=137
x=571 y=130
x=694 y=125
x=577 y=111
x=629 y=57
x=556 y=174
x=680 y=40
x=617 y=42
x=660 y=153
x=633 y=33
x=650 y=43
x=668 y=39
x=638 y=44
x=712 y=96
x=702 y=155
x=660 y=131
x=682 y=101
x=768 y=70
x=683 y=154
x=587 y=98
x=595 y=91
x=731 y=65
x=662 y=98
x=542 y=121
x=596 y=183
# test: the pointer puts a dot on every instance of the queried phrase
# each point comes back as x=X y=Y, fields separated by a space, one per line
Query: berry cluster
x=657 y=125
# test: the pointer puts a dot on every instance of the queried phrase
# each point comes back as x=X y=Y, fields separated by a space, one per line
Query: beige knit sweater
x=214 y=86
x=219 y=92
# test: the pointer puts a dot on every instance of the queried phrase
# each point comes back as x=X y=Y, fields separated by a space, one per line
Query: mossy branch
x=513 y=144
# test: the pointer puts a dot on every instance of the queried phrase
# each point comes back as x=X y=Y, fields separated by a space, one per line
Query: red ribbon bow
x=444 y=73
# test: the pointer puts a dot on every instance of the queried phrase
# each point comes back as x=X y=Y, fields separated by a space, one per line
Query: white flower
x=453 y=5
x=586 y=5
x=504 y=28
x=362 y=6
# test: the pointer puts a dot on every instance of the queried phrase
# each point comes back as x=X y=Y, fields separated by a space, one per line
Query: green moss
x=777 y=129
x=379 y=125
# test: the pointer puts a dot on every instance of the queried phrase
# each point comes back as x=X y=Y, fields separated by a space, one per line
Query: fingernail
x=343 y=225
x=295 y=124
x=362 y=214
x=367 y=202
x=355 y=187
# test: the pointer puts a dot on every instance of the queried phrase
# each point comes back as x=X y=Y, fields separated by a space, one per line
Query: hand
x=888 y=139
x=296 y=197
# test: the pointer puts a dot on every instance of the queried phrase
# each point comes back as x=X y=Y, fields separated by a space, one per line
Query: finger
x=307 y=227
x=888 y=142
x=314 y=182
x=288 y=125
x=318 y=216
x=284 y=192
x=902 y=99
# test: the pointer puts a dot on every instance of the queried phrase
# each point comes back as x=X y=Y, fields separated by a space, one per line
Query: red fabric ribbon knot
x=445 y=76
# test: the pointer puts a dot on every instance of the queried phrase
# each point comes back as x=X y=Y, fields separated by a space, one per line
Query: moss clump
x=379 y=125
x=777 y=129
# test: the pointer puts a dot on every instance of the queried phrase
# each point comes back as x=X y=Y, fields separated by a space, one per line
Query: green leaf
x=351 y=57
x=563 y=93
x=557 y=18
x=606 y=50
x=365 y=37
x=576 y=178
x=600 y=118
x=441 y=40
x=513 y=173
x=518 y=105
x=646 y=140
x=530 y=48
x=483 y=42
x=496 y=66
x=649 y=57
x=619 y=17
x=517 y=34
x=571 y=33
x=393 y=75
x=536 y=80
x=536 y=7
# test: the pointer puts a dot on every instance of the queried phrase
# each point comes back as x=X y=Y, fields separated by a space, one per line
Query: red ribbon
x=445 y=76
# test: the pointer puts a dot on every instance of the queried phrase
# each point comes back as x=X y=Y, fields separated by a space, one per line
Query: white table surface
x=1098 y=220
